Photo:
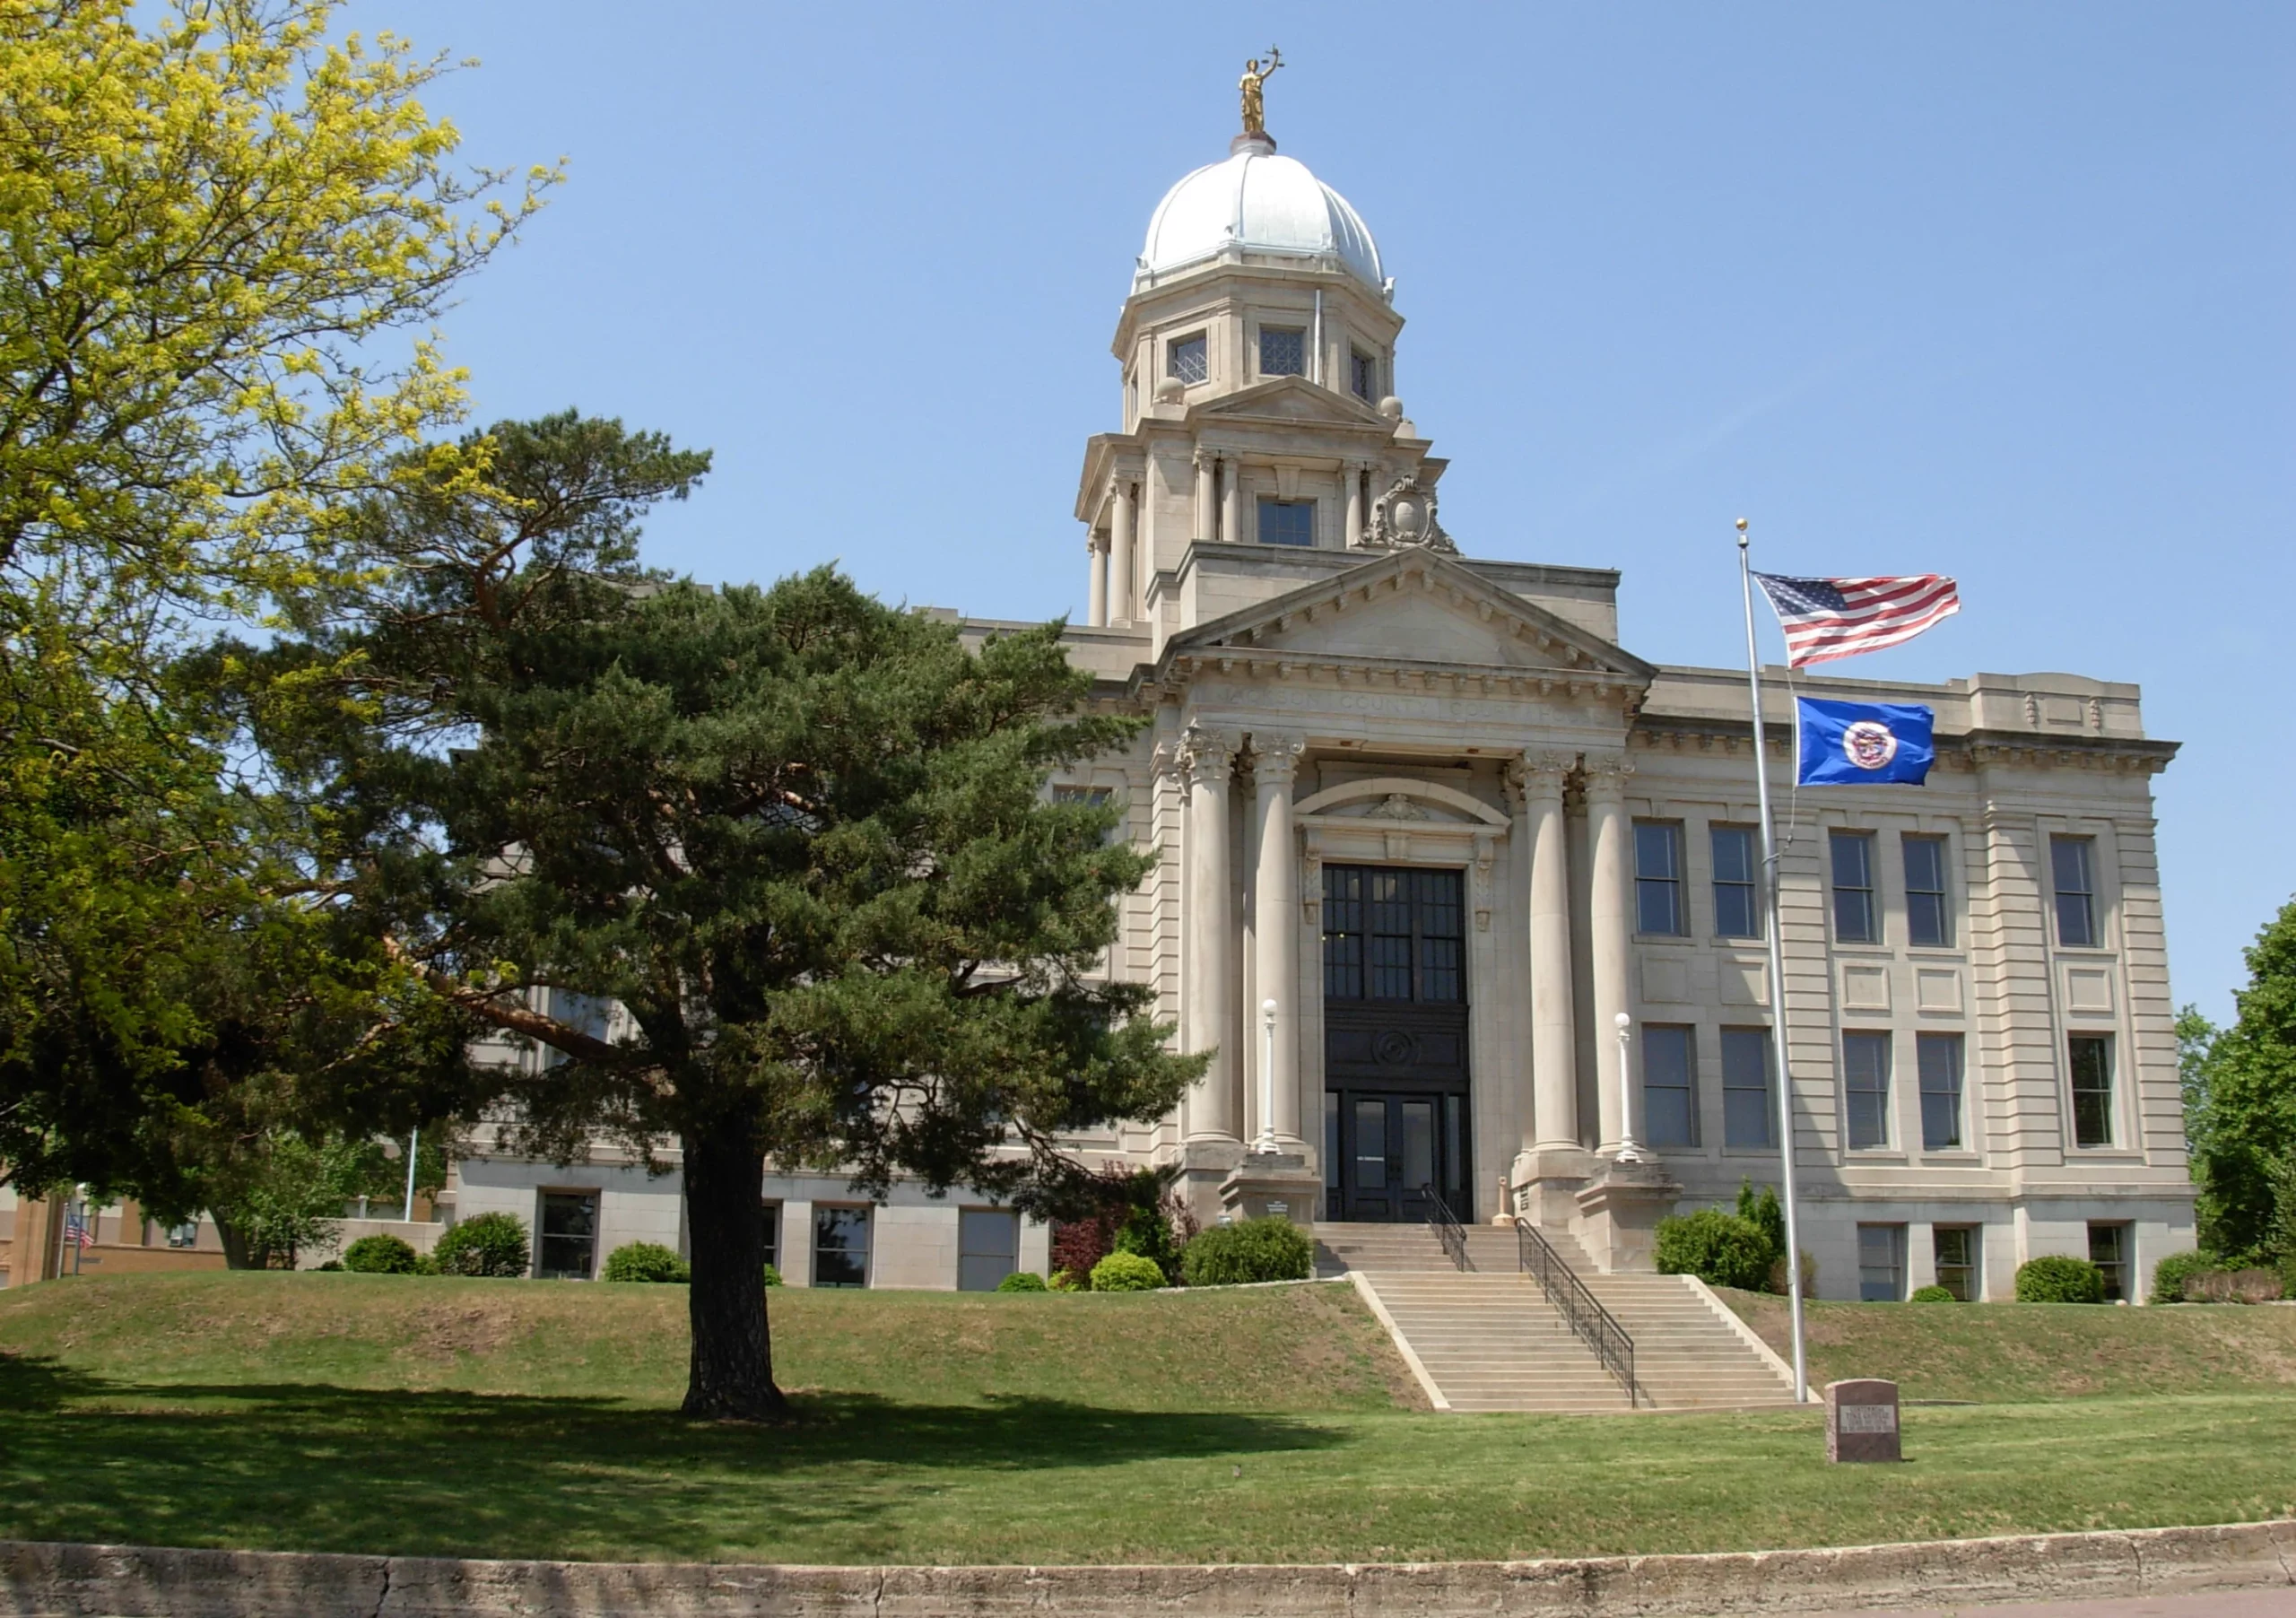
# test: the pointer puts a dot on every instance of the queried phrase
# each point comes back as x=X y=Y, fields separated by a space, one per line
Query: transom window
x=1939 y=1057
x=1286 y=522
x=1363 y=375
x=2073 y=863
x=1737 y=912
x=2091 y=1060
x=1748 y=1116
x=1392 y=934
x=1927 y=920
x=1658 y=878
x=1282 y=352
x=1669 y=1097
x=1190 y=360
x=1865 y=1071
x=1857 y=920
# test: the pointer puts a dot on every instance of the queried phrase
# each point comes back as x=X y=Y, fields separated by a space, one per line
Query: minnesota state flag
x=1858 y=743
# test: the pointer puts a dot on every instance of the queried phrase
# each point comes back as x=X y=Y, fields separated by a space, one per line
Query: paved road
x=2249 y=1604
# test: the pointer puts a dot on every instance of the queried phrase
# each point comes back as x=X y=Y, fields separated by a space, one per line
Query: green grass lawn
x=526 y=1419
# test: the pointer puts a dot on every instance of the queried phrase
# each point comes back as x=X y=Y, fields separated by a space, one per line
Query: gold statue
x=1255 y=104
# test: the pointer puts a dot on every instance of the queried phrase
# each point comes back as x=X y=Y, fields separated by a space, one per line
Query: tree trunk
x=237 y=1254
x=731 y=1375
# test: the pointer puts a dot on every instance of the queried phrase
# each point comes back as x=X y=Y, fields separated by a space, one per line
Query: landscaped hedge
x=381 y=1255
x=487 y=1244
x=645 y=1261
x=2169 y=1275
x=1126 y=1273
x=1719 y=1249
x=1249 y=1250
x=1022 y=1281
x=2058 y=1278
x=1932 y=1294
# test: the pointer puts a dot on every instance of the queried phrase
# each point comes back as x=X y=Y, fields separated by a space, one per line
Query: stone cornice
x=1964 y=750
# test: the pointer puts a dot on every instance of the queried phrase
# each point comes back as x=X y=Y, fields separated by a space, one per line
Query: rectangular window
x=1189 y=360
x=988 y=1248
x=1658 y=878
x=1939 y=1057
x=1927 y=920
x=2073 y=863
x=773 y=1210
x=1282 y=352
x=1737 y=908
x=2091 y=1060
x=1286 y=522
x=1748 y=1117
x=1333 y=1205
x=1866 y=1070
x=840 y=1246
x=1669 y=1099
x=2108 y=1251
x=1855 y=920
x=1392 y=934
x=1363 y=375
x=569 y=1236
x=1956 y=1248
x=1881 y=1264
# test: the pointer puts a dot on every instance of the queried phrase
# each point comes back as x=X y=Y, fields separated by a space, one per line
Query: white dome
x=1257 y=203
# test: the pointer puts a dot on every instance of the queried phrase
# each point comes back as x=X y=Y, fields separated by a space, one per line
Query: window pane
x=1282 y=354
x=1928 y=921
x=1736 y=915
x=1881 y=1264
x=1657 y=878
x=1342 y=933
x=1362 y=375
x=1956 y=1249
x=2092 y=1089
x=773 y=1234
x=1854 y=918
x=1189 y=361
x=1669 y=1102
x=1866 y=1067
x=988 y=1243
x=1939 y=1057
x=840 y=1246
x=1748 y=1116
x=1440 y=899
x=569 y=1236
x=2072 y=864
x=1371 y=1145
x=2108 y=1251
x=1331 y=1146
x=1418 y=1145
x=1286 y=522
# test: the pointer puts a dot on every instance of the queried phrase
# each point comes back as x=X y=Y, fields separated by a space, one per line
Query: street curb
x=49 y=1580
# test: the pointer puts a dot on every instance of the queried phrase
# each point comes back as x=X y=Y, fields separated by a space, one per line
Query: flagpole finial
x=1742 y=524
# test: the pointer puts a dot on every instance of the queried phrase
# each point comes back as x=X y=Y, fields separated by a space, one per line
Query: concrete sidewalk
x=2252 y=1604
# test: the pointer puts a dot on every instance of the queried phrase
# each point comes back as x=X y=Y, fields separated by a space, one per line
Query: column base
x=1273 y=1185
x=1545 y=1180
x=1206 y=1160
x=1618 y=1214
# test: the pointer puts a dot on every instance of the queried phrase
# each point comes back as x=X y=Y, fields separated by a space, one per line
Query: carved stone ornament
x=1405 y=516
x=1397 y=807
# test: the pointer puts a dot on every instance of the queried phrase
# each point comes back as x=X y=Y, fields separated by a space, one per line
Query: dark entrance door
x=1395 y=1121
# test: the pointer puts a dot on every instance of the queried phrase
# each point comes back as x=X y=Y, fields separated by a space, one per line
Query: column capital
x=1202 y=457
x=1207 y=754
x=1096 y=542
x=1606 y=776
x=1540 y=771
x=1275 y=755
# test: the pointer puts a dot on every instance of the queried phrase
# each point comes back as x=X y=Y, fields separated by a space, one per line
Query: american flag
x=1827 y=618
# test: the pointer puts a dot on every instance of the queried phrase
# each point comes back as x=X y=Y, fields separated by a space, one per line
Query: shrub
x=332 y=1263
x=1251 y=1250
x=1148 y=1233
x=381 y=1256
x=772 y=1276
x=2168 y=1276
x=645 y=1261
x=1809 y=1274
x=1932 y=1294
x=1022 y=1281
x=1761 y=1209
x=2058 y=1278
x=1062 y=1281
x=1719 y=1249
x=487 y=1244
x=1126 y=1273
x=2233 y=1286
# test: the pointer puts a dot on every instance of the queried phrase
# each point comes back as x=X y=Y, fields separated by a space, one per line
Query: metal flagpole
x=1776 y=978
x=413 y=1139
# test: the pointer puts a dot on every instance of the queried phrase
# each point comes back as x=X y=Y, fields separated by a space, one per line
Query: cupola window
x=1363 y=375
x=1190 y=360
x=1286 y=522
x=1283 y=353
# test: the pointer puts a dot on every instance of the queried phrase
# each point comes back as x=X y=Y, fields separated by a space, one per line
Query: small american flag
x=1827 y=618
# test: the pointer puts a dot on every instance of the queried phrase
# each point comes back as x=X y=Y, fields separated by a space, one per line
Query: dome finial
x=1255 y=103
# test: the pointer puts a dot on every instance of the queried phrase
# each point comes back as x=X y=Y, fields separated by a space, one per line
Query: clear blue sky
x=2007 y=292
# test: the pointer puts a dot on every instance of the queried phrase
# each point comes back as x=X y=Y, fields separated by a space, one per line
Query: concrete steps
x=1487 y=1338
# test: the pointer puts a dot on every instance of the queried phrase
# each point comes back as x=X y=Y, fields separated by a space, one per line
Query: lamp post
x=1627 y=1151
x=1265 y=1140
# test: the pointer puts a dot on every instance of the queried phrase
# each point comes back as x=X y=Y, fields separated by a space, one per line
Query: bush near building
x=1932 y=1294
x=382 y=1255
x=487 y=1244
x=1719 y=1249
x=1126 y=1273
x=1250 y=1250
x=645 y=1261
x=1022 y=1280
x=2059 y=1278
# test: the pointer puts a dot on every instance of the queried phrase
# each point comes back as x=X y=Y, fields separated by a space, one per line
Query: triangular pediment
x=1291 y=399
x=1414 y=607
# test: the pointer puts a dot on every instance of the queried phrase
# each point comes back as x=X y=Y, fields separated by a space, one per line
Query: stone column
x=1207 y=757
x=1353 y=473
x=1231 y=500
x=1122 y=604
x=1095 y=593
x=1611 y=911
x=1555 y=1047
x=1207 y=476
x=1275 y=905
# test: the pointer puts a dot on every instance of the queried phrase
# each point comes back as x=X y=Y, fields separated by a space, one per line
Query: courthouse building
x=1433 y=807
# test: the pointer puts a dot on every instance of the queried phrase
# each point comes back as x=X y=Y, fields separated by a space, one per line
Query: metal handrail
x=1447 y=1227
x=1581 y=1310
